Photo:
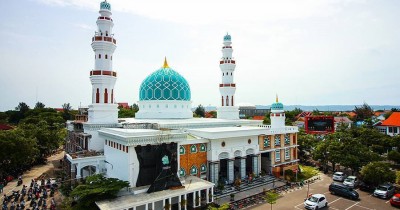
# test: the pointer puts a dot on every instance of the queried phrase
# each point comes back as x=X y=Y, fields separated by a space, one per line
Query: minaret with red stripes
x=103 y=108
x=227 y=88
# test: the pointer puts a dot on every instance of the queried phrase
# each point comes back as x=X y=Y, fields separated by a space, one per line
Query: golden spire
x=165 y=63
x=277 y=98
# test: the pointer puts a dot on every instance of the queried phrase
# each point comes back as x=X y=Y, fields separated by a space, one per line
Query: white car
x=339 y=176
x=316 y=201
x=351 y=181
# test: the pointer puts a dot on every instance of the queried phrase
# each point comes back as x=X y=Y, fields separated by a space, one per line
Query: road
x=294 y=200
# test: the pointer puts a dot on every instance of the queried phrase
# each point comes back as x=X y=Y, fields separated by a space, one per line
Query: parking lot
x=366 y=202
x=295 y=199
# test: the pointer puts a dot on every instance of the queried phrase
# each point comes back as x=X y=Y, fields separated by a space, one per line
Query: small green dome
x=277 y=105
x=165 y=84
x=105 y=5
x=227 y=37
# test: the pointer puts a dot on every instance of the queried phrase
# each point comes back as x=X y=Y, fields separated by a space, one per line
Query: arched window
x=193 y=149
x=112 y=96
x=182 y=172
x=227 y=101
x=223 y=74
x=278 y=140
x=97 y=96
x=232 y=101
x=203 y=148
x=99 y=56
x=266 y=141
x=111 y=57
x=182 y=150
x=203 y=168
x=106 y=56
x=231 y=73
x=105 y=96
x=193 y=170
x=287 y=139
x=106 y=33
x=222 y=100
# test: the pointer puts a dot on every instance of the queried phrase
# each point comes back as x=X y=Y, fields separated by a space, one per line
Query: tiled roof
x=258 y=118
x=342 y=120
x=393 y=120
x=124 y=105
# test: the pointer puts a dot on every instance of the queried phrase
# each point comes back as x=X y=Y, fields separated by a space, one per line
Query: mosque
x=168 y=157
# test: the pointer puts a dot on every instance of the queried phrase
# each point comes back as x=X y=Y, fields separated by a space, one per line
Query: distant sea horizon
x=319 y=107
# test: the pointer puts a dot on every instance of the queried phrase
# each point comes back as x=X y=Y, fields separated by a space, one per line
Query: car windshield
x=313 y=199
x=382 y=188
x=337 y=174
x=349 y=179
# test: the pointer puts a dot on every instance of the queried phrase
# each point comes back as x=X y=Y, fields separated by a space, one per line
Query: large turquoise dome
x=165 y=84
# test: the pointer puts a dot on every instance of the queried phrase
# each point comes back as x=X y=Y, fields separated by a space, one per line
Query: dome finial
x=165 y=63
x=277 y=98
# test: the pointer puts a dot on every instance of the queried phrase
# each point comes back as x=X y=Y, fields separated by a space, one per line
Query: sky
x=309 y=52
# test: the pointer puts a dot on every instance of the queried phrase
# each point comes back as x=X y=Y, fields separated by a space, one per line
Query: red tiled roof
x=343 y=120
x=393 y=120
x=258 y=118
x=5 y=127
x=124 y=105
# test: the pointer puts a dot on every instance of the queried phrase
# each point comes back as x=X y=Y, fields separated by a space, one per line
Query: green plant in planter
x=232 y=196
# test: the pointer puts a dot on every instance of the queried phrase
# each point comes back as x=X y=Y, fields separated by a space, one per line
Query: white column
x=179 y=202
x=78 y=171
x=163 y=202
x=152 y=205
x=243 y=167
x=212 y=194
x=230 y=170
x=169 y=202
x=185 y=197
x=207 y=197
x=146 y=207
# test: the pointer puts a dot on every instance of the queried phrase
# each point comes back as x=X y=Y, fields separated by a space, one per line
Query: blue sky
x=309 y=52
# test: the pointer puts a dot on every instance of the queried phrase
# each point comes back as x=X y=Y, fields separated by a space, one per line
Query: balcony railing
x=104 y=38
x=104 y=18
x=227 y=85
x=227 y=61
x=102 y=72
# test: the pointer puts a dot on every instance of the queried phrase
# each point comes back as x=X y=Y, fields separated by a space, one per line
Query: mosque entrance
x=237 y=168
x=266 y=163
x=88 y=171
x=223 y=171
x=249 y=164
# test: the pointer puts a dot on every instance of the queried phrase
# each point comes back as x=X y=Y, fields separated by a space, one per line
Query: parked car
x=343 y=190
x=366 y=187
x=316 y=201
x=384 y=191
x=339 y=176
x=395 y=200
x=351 y=181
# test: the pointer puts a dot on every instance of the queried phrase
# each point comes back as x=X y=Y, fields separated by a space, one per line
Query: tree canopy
x=96 y=188
x=200 y=111
x=377 y=173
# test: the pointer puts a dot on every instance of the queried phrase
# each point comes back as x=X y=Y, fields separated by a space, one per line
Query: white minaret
x=103 y=109
x=227 y=88
x=277 y=114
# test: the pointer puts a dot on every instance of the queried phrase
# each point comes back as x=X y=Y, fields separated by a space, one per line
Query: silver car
x=384 y=191
x=351 y=181
x=339 y=176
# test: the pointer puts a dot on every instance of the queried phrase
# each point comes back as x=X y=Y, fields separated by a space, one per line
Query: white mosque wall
x=234 y=147
x=117 y=163
x=164 y=109
x=103 y=113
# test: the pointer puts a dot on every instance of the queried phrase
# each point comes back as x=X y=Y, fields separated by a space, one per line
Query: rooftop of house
x=393 y=120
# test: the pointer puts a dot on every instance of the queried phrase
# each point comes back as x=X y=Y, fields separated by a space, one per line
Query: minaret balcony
x=227 y=61
x=227 y=85
x=104 y=18
x=104 y=38
x=102 y=72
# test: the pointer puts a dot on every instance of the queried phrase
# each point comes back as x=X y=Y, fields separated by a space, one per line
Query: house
x=392 y=124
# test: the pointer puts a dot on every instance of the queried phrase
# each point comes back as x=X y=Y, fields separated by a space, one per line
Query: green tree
x=377 y=173
x=125 y=113
x=96 y=187
x=267 y=119
x=16 y=150
x=200 y=111
x=363 y=112
x=39 y=105
x=224 y=206
x=307 y=144
x=135 y=107
x=67 y=108
x=271 y=197
x=394 y=156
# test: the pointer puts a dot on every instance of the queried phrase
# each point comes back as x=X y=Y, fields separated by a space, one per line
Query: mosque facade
x=164 y=136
